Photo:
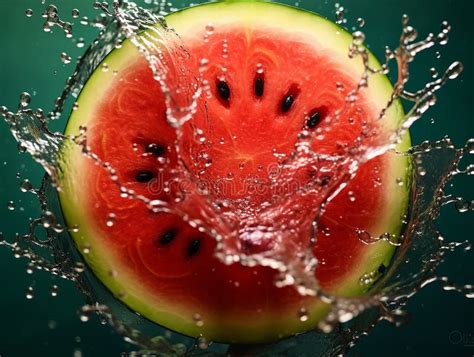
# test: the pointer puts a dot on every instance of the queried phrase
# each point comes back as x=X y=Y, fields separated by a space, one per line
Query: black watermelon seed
x=168 y=237
x=144 y=176
x=382 y=268
x=223 y=90
x=313 y=120
x=259 y=86
x=287 y=103
x=325 y=180
x=193 y=247
x=155 y=149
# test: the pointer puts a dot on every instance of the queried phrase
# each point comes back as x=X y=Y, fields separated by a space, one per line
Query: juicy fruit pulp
x=267 y=72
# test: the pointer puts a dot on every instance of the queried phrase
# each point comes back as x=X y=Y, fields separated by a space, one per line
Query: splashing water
x=435 y=164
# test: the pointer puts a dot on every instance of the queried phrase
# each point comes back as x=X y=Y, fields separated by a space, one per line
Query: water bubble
x=360 y=22
x=11 y=206
x=105 y=67
x=75 y=13
x=29 y=12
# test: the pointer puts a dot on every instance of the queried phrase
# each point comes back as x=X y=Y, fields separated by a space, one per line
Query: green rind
x=71 y=198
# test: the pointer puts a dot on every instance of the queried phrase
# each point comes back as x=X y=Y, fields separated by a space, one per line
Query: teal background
x=30 y=61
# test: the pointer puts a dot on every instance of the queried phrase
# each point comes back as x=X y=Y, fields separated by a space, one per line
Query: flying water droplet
x=30 y=294
x=65 y=58
x=54 y=291
x=11 y=206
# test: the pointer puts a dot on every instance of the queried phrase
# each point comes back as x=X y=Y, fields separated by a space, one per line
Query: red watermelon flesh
x=256 y=57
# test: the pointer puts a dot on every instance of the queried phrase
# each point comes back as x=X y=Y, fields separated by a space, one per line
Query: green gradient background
x=30 y=61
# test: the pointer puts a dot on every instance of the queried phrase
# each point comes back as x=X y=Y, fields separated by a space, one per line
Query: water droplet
x=79 y=267
x=30 y=268
x=80 y=42
x=360 y=22
x=25 y=186
x=462 y=205
x=84 y=316
x=29 y=12
x=111 y=219
x=54 y=290
x=202 y=343
x=303 y=314
x=75 y=13
x=30 y=294
x=25 y=99
x=198 y=320
x=358 y=38
x=65 y=58
x=11 y=206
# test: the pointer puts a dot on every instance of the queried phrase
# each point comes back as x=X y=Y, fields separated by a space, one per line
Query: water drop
x=110 y=219
x=360 y=22
x=30 y=293
x=28 y=12
x=54 y=291
x=454 y=70
x=65 y=58
x=80 y=42
x=79 y=267
x=303 y=314
x=202 y=343
x=198 y=320
x=75 y=13
x=462 y=205
x=470 y=146
x=11 y=206
x=358 y=38
x=84 y=316
x=25 y=99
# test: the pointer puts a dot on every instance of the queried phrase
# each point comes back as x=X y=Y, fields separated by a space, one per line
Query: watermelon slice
x=270 y=71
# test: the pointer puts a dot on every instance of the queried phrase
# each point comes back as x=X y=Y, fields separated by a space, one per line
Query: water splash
x=393 y=288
